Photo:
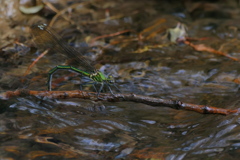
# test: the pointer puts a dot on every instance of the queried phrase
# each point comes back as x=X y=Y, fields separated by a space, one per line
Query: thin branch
x=176 y=104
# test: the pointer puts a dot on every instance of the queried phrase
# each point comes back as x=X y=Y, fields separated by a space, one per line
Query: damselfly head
x=110 y=79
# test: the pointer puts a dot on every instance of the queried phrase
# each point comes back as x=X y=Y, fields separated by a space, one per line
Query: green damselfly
x=47 y=38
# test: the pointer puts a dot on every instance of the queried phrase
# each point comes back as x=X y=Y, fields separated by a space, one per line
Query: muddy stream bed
x=142 y=44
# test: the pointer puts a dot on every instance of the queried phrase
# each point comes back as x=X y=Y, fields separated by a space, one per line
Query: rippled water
x=41 y=128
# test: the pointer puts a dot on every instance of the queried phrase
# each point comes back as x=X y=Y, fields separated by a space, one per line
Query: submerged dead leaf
x=13 y=149
x=150 y=153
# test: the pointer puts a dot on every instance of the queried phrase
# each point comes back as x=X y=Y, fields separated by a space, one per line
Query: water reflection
x=125 y=129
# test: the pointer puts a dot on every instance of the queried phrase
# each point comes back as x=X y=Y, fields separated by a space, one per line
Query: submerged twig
x=110 y=35
x=176 y=104
x=61 y=13
x=202 y=47
x=35 y=61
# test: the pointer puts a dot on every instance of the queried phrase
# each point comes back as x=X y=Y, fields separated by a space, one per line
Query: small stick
x=176 y=104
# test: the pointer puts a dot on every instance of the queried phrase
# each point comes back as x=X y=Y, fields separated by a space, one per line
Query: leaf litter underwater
x=37 y=128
